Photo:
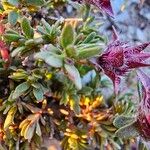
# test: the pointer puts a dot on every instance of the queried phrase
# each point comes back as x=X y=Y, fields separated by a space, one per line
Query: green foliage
x=13 y=17
x=20 y=89
x=67 y=35
x=74 y=75
x=121 y=121
x=26 y=28
x=13 y=2
x=35 y=2
x=127 y=131
x=51 y=90
x=10 y=117
x=50 y=58
x=86 y=51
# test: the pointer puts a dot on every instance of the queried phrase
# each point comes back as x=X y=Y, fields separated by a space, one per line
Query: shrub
x=54 y=90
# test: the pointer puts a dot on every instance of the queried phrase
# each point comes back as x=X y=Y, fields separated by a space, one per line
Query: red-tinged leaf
x=143 y=125
x=4 y=51
x=2 y=29
x=4 y=54
x=116 y=57
x=140 y=57
x=137 y=49
x=2 y=16
x=115 y=34
x=148 y=118
x=145 y=103
x=105 y=5
x=133 y=64
x=115 y=79
x=145 y=79
x=116 y=83
x=119 y=58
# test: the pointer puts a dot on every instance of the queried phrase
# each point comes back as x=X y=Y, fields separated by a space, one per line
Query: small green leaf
x=64 y=100
x=13 y=2
x=54 y=61
x=115 y=144
x=53 y=49
x=13 y=17
x=67 y=36
x=20 y=89
x=32 y=108
x=46 y=26
x=71 y=51
x=29 y=43
x=11 y=37
x=74 y=103
x=11 y=31
x=38 y=93
x=16 y=51
x=26 y=27
x=41 y=30
x=127 y=132
x=29 y=131
x=51 y=59
x=10 y=97
x=35 y=2
x=86 y=91
x=19 y=74
x=10 y=117
x=88 y=52
x=90 y=37
x=38 y=129
x=74 y=75
x=121 y=121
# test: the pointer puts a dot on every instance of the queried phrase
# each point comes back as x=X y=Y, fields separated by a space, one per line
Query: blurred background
x=132 y=19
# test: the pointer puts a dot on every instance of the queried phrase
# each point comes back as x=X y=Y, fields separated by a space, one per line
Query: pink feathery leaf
x=114 y=34
x=116 y=58
x=105 y=5
x=133 y=64
x=137 y=58
x=137 y=49
x=143 y=124
x=120 y=58
x=145 y=79
x=115 y=79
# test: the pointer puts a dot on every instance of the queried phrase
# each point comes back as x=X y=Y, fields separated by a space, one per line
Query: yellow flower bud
x=48 y=76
